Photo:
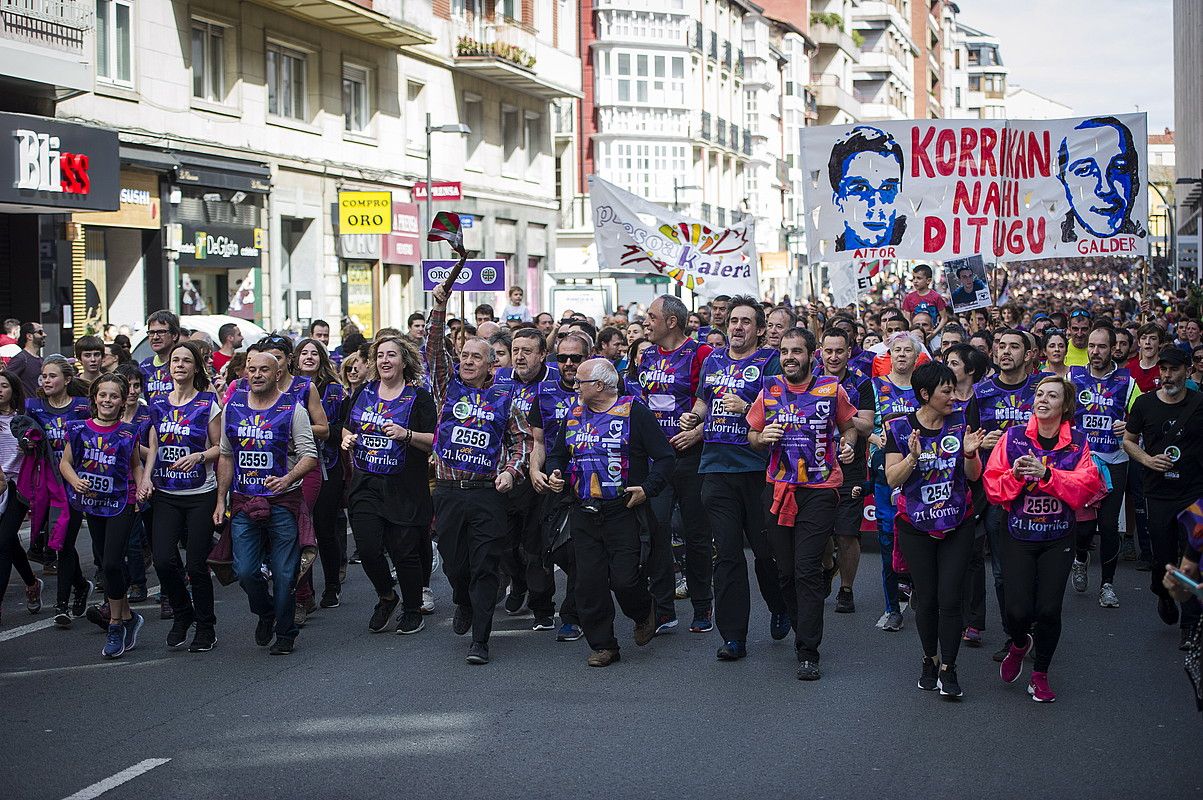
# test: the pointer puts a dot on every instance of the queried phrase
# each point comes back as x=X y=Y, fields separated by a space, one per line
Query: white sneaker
x=682 y=591
x=427 y=600
x=1107 y=597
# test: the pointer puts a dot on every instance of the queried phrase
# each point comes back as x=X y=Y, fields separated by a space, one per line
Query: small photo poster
x=967 y=283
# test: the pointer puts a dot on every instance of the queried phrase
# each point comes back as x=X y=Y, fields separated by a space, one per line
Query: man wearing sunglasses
x=522 y=558
x=1078 y=331
x=163 y=331
x=546 y=417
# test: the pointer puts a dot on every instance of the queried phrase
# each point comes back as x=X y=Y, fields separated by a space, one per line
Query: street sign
x=443 y=191
x=466 y=220
x=478 y=275
x=365 y=212
x=651 y=280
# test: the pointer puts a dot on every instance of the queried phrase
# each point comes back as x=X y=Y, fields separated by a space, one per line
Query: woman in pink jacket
x=1044 y=476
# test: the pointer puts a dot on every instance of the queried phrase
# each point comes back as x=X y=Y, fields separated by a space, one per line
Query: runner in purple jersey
x=931 y=456
x=184 y=443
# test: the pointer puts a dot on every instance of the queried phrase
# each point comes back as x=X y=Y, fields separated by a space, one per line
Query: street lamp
x=677 y=189
x=462 y=130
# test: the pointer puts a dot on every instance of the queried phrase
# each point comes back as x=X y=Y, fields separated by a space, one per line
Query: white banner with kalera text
x=1009 y=190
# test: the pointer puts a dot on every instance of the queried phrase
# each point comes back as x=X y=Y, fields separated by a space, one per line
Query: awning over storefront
x=222 y=173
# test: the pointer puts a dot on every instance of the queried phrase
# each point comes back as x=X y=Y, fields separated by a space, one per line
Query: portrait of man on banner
x=865 y=169
x=1099 y=167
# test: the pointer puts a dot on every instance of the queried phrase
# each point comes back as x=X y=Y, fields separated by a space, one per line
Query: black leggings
x=113 y=535
x=330 y=527
x=1107 y=524
x=937 y=568
x=1036 y=573
x=192 y=516
x=69 y=574
x=374 y=535
x=12 y=554
x=426 y=553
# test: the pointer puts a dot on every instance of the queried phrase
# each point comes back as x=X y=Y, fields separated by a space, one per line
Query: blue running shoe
x=114 y=645
x=732 y=651
x=569 y=632
x=703 y=622
x=779 y=626
x=132 y=626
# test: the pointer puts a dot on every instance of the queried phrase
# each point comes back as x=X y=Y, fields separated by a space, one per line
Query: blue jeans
x=885 y=539
x=248 y=540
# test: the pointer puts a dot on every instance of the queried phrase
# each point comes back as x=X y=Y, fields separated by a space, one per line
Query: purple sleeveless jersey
x=375 y=452
x=894 y=401
x=472 y=425
x=722 y=374
x=259 y=441
x=598 y=443
x=182 y=431
x=1101 y=403
x=1001 y=408
x=155 y=380
x=54 y=420
x=1037 y=516
x=332 y=403
x=105 y=460
x=554 y=404
x=806 y=455
x=935 y=498
x=666 y=384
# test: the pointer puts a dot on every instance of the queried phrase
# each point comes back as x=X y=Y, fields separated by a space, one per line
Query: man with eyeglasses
x=163 y=332
x=27 y=364
x=522 y=559
x=1165 y=436
x=1078 y=331
x=615 y=459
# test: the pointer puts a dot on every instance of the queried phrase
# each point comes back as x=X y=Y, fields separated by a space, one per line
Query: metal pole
x=428 y=192
x=676 y=202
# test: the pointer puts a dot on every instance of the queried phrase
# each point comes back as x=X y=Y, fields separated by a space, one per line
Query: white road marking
x=48 y=622
x=124 y=776
x=106 y=664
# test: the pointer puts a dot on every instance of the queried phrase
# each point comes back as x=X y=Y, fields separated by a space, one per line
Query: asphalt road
x=351 y=714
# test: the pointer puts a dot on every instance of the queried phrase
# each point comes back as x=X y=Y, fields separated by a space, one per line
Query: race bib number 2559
x=255 y=459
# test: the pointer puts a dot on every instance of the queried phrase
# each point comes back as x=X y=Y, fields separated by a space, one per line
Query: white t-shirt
x=516 y=314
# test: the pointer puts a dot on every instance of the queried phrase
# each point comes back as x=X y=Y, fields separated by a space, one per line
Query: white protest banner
x=1011 y=190
x=850 y=280
x=633 y=234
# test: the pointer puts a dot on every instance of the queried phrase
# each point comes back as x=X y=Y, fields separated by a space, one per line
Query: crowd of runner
x=637 y=457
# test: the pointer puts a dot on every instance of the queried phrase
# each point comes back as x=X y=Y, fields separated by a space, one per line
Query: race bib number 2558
x=470 y=437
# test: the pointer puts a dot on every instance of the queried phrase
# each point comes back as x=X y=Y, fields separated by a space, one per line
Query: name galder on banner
x=941 y=189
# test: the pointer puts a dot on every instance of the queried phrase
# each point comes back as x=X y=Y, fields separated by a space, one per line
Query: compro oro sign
x=365 y=212
x=484 y=275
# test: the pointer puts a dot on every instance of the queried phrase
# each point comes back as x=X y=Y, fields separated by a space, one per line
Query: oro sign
x=478 y=275
x=365 y=212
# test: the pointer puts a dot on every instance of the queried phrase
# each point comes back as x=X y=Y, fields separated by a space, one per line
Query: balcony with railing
x=706 y=125
x=747 y=144
x=727 y=55
x=380 y=22
x=713 y=51
x=696 y=42
x=650 y=122
x=828 y=35
x=830 y=97
x=721 y=133
x=509 y=55
x=43 y=42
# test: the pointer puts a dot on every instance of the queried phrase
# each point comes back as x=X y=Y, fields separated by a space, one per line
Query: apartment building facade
x=241 y=123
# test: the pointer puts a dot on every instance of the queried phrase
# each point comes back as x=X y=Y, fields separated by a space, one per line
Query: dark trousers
x=974 y=594
x=12 y=554
x=426 y=553
x=685 y=491
x=799 y=554
x=1036 y=576
x=995 y=520
x=608 y=550
x=471 y=528
x=135 y=556
x=1168 y=541
x=734 y=501
x=191 y=514
x=522 y=558
x=1136 y=502
x=564 y=557
x=376 y=536
x=70 y=576
x=1107 y=524
x=113 y=534
x=937 y=568
x=329 y=528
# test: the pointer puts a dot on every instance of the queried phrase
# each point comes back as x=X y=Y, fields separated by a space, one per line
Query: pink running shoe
x=1012 y=664
x=1039 y=689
